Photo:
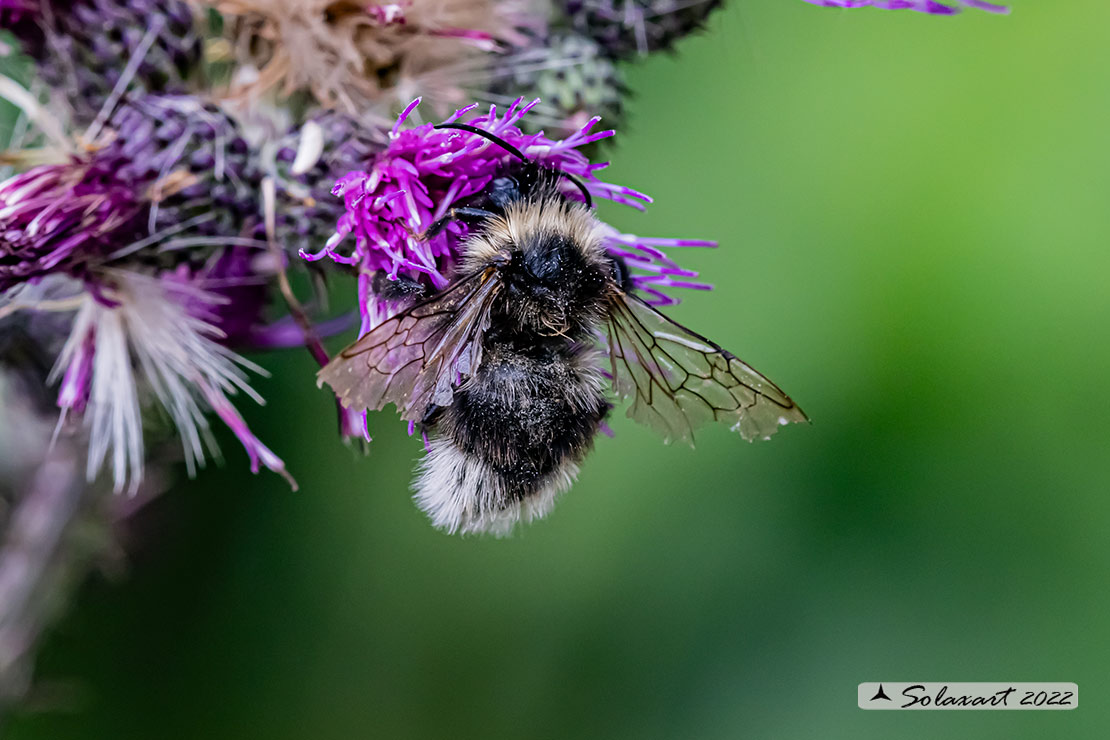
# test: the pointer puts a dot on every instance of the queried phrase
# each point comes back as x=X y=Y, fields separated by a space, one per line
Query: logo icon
x=881 y=694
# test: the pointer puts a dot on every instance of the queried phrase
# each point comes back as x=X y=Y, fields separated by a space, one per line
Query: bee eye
x=621 y=274
x=503 y=191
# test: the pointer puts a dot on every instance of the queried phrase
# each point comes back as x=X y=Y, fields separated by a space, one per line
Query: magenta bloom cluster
x=921 y=6
x=56 y=218
x=171 y=166
x=425 y=170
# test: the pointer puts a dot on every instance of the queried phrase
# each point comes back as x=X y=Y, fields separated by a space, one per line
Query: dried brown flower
x=365 y=60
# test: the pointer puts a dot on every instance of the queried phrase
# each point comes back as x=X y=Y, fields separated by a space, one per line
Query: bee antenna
x=581 y=186
x=487 y=135
x=516 y=153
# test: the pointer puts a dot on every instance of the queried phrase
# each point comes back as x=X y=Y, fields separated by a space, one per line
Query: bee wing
x=414 y=359
x=678 y=379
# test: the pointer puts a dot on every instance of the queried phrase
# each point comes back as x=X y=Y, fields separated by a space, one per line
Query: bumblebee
x=508 y=368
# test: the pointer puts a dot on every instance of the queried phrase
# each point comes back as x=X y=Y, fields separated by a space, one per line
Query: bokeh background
x=914 y=243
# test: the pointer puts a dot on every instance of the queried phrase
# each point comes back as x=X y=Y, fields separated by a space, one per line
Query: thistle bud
x=626 y=28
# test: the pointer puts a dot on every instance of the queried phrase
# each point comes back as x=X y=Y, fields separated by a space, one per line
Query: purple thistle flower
x=59 y=219
x=142 y=239
x=424 y=171
x=174 y=173
x=921 y=6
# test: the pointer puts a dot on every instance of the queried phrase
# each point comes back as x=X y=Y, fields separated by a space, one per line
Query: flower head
x=626 y=28
x=425 y=170
x=64 y=218
x=85 y=49
x=171 y=166
x=571 y=75
x=309 y=160
x=146 y=240
x=921 y=6
x=155 y=338
x=365 y=59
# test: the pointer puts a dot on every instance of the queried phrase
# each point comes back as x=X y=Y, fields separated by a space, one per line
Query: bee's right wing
x=678 y=379
x=415 y=359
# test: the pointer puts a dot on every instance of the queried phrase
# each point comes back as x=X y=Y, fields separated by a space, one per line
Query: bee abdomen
x=461 y=493
x=512 y=439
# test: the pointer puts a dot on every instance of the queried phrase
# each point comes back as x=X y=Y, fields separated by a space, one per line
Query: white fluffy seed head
x=149 y=346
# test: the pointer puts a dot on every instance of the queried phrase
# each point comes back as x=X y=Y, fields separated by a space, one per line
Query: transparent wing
x=678 y=379
x=416 y=358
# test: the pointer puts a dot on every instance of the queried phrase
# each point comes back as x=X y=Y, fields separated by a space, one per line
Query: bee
x=507 y=369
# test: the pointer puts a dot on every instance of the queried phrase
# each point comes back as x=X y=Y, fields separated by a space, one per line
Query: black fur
x=530 y=407
x=550 y=288
x=535 y=402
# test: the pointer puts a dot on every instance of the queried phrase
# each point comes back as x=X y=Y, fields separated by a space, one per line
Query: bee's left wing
x=414 y=359
x=678 y=379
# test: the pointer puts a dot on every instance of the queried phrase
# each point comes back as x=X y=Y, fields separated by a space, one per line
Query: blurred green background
x=914 y=243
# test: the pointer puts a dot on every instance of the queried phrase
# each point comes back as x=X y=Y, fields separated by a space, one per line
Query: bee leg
x=431 y=415
x=468 y=216
x=427 y=424
x=400 y=289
